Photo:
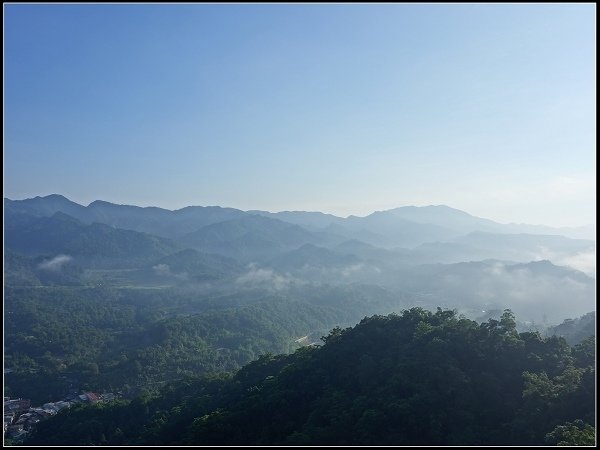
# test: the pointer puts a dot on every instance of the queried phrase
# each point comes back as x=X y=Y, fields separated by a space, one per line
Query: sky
x=340 y=108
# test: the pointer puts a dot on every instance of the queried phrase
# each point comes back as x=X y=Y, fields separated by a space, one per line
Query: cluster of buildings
x=20 y=417
x=13 y=409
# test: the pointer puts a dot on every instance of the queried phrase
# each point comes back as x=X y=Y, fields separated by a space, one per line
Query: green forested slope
x=417 y=378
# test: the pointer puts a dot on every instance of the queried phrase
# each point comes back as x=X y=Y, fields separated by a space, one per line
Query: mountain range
x=414 y=234
x=439 y=220
x=435 y=253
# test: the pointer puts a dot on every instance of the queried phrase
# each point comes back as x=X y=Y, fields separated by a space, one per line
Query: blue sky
x=345 y=109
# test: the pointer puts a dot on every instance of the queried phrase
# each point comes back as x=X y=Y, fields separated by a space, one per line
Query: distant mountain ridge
x=400 y=236
x=442 y=221
x=153 y=220
x=450 y=221
x=249 y=237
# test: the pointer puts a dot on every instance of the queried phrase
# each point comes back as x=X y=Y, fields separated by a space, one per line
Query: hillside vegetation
x=418 y=378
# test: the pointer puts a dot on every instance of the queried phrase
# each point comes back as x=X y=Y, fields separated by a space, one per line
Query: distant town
x=20 y=417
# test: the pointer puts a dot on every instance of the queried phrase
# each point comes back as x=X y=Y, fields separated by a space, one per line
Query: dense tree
x=125 y=339
x=577 y=433
x=417 y=378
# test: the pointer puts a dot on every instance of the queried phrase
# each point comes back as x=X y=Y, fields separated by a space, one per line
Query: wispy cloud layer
x=266 y=278
x=55 y=264
x=584 y=261
x=163 y=270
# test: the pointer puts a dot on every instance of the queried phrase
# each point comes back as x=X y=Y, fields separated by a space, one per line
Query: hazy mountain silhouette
x=250 y=237
x=158 y=221
x=415 y=234
x=191 y=265
x=96 y=244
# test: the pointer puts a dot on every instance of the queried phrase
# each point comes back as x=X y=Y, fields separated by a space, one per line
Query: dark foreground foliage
x=417 y=378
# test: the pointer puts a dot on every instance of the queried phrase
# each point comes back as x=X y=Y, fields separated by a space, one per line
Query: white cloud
x=55 y=264
x=162 y=270
x=533 y=295
x=350 y=270
x=265 y=278
x=184 y=276
x=584 y=261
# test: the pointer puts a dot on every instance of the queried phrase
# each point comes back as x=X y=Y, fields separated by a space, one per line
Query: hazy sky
x=345 y=109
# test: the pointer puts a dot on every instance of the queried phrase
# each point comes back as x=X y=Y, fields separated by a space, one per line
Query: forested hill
x=416 y=378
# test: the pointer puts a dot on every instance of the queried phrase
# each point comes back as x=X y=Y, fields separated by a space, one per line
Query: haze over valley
x=433 y=256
